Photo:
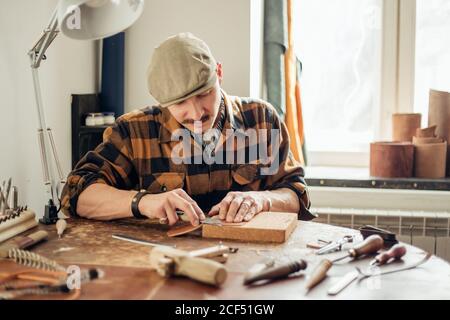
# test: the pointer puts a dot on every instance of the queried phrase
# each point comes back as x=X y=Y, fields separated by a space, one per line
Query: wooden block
x=265 y=227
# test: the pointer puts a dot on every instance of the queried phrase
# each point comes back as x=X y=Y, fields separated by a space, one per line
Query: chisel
x=276 y=272
x=370 y=245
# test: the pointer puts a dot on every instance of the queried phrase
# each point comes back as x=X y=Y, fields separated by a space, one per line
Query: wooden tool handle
x=318 y=274
x=23 y=217
x=396 y=252
x=370 y=245
x=201 y=269
x=61 y=225
x=276 y=272
x=17 y=229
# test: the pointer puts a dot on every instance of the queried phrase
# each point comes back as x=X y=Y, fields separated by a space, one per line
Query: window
x=339 y=45
x=364 y=60
x=432 y=62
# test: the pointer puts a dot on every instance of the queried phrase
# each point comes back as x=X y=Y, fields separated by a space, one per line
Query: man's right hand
x=165 y=205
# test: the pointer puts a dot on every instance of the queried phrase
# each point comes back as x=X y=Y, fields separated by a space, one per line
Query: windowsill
x=354 y=177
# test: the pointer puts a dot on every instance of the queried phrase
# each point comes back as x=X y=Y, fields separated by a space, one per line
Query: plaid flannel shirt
x=137 y=153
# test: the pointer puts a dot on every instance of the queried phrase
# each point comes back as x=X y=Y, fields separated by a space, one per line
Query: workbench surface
x=87 y=243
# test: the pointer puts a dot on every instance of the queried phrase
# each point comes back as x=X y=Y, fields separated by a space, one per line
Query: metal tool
x=218 y=253
x=208 y=220
x=260 y=266
x=359 y=274
x=13 y=199
x=335 y=245
x=279 y=272
x=138 y=241
x=395 y=252
x=370 y=245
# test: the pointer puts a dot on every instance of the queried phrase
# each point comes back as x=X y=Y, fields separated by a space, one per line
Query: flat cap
x=181 y=67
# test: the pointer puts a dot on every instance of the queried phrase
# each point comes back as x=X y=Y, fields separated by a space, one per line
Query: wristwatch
x=135 y=204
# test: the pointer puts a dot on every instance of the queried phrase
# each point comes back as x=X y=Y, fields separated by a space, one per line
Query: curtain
x=283 y=71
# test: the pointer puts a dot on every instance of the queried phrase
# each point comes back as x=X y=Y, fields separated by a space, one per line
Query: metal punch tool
x=335 y=245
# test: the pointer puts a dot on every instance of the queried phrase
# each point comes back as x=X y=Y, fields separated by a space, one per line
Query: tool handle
x=276 y=272
x=201 y=269
x=318 y=274
x=370 y=245
x=23 y=242
x=396 y=252
x=61 y=225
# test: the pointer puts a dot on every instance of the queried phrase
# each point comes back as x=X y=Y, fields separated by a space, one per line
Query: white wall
x=223 y=25
x=70 y=68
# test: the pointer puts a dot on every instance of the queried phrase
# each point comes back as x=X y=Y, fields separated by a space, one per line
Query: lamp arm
x=45 y=136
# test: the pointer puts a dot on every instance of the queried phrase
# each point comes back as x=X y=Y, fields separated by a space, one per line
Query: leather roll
x=429 y=157
x=391 y=159
x=404 y=126
x=439 y=115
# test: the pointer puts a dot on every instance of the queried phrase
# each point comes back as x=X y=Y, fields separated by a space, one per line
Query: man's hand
x=241 y=206
x=164 y=205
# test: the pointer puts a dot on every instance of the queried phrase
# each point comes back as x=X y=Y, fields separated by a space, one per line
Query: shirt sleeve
x=285 y=171
x=110 y=163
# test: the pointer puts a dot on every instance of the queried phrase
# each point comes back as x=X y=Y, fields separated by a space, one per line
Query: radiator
x=429 y=231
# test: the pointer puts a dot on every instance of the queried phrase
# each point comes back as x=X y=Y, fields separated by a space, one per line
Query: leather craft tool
x=368 y=246
x=23 y=242
x=359 y=274
x=278 y=272
x=137 y=241
x=388 y=237
x=217 y=253
x=395 y=252
x=61 y=225
x=174 y=262
x=15 y=223
x=335 y=245
x=188 y=227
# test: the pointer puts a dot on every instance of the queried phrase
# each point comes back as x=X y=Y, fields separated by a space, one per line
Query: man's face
x=201 y=109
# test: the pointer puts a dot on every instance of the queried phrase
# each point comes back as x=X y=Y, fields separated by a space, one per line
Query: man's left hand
x=240 y=206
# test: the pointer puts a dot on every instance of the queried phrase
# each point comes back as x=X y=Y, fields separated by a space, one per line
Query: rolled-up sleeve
x=286 y=172
x=110 y=163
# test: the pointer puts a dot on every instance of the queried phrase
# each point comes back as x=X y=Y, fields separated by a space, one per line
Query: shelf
x=84 y=129
x=360 y=178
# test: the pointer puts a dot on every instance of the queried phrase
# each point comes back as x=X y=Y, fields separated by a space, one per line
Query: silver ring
x=248 y=203
x=163 y=220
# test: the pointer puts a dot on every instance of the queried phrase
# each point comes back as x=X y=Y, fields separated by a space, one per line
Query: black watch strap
x=135 y=204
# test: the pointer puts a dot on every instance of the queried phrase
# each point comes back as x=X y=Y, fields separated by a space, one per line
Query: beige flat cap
x=181 y=67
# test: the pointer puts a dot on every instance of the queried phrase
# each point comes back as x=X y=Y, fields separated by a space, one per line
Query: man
x=142 y=151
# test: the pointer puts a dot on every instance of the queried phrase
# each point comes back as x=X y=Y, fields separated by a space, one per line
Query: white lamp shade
x=97 y=19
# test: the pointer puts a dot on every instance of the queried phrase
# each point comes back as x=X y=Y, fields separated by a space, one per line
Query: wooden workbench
x=127 y=275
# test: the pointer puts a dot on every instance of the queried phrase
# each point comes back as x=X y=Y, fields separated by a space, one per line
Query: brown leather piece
x=182 y=229
x=391 y=159
x=426 y=132
x=439 y=116
x=404 y=126
x=430 y=158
